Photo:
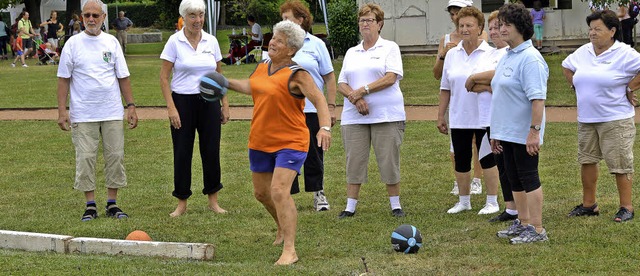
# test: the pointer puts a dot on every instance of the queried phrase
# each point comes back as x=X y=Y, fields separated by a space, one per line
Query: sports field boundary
x=29 y=241
x=414 y=113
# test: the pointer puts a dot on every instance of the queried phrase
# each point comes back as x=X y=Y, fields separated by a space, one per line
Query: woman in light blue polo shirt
x=313 y=57
x=517 y=120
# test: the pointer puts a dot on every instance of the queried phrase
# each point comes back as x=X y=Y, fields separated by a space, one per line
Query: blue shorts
x=19 y=52
x=260 y=161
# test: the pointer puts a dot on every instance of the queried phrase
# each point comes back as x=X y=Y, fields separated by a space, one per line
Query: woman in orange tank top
x=279 y=137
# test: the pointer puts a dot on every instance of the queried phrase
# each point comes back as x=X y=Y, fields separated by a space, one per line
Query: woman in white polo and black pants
x=188 y=55
x=466 y=110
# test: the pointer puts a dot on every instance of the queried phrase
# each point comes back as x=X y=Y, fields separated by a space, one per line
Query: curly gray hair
x=187 y=6
x=294 y=33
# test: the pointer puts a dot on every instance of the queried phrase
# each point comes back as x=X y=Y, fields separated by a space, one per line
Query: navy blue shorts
x=260 y=161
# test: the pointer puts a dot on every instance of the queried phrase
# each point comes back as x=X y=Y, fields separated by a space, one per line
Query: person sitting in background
x=255 y=34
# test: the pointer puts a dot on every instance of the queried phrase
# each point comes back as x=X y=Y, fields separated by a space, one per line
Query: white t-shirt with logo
x=94 y=64
x=189 y=64
x=362 y=67
x=601 y=81
x=464 y=106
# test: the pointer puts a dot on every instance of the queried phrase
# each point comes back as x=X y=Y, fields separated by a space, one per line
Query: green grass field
x=37 y=170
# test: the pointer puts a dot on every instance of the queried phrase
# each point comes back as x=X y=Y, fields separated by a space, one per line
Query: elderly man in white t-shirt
x=94 y=72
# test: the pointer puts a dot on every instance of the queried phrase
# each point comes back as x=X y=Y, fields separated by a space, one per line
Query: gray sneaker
x=530 y=235
x=513 y=231
x=320 y=202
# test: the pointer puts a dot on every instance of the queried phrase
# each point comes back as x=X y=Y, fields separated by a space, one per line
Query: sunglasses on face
x=94 y=15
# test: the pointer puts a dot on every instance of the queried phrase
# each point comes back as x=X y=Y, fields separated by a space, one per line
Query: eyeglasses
x=94 y=15
x=367 y=21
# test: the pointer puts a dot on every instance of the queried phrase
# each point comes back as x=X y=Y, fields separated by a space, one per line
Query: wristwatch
x=327 y=128
x=366 y=88
x=536 y=127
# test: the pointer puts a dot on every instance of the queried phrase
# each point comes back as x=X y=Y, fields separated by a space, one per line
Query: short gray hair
x=100 y=4
x=294 y=33
x=187 y=6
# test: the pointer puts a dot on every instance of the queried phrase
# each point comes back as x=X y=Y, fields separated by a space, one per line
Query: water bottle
x=233 y=31
x=244 y=31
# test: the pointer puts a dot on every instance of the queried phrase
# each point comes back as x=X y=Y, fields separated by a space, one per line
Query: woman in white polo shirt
x=188 y=55
x=468 y=112
x=601 y=72
x=374 y=113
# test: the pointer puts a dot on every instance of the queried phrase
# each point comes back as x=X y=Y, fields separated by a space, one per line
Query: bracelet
x=441 y=57
x=131 y=104
x=327 y=128
x=629 y=90
x=331 y=105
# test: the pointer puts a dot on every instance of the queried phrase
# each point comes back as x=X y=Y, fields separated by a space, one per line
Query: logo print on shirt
x=106 y=56
x=507 y=72
x=291 y=161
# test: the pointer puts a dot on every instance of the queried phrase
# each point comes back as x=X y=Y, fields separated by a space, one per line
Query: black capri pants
x=462 y=142
x=521 y=168
x=314 y=164
x=196 y=114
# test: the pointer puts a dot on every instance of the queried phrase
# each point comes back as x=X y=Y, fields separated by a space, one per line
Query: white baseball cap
x=460 y=3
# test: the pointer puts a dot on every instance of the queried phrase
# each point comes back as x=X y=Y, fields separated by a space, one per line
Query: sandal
x=90 y=213
x=114 y=212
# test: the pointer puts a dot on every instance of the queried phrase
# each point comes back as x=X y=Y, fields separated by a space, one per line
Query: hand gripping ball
x=213 y=86
x=406 y=238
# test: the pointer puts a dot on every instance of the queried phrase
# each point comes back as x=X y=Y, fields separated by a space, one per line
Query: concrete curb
x=197 y=251
x=34 y=241
x=68 y=245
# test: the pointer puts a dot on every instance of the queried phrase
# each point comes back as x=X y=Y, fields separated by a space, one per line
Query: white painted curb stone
x=34 y=241
x=196 y=251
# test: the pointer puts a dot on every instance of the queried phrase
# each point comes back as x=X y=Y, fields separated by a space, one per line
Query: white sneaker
x=24 y=65
x=320 y=202
x=459 y=207
x=13 y=65
x=489 y=208
x=455 y=190
x=476 y=186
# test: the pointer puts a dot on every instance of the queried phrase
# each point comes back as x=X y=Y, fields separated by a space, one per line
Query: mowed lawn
x=37 y=171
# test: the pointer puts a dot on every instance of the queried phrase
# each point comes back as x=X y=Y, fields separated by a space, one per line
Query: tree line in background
x=163 y=14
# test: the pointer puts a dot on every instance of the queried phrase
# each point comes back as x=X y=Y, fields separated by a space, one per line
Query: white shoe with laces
x=459 y=207
x=320 y=202
x=455 y=190
x=489 y=208
x=476 y=186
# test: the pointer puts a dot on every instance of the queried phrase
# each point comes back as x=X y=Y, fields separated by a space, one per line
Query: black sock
x=91 y=203
x=111 y=202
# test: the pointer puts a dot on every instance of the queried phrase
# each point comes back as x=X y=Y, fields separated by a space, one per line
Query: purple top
x=537 y=16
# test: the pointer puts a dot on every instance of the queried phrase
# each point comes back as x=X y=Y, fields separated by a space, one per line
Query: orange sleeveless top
x=278 y=119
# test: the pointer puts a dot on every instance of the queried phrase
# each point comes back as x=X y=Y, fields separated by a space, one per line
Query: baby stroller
x=46 y=55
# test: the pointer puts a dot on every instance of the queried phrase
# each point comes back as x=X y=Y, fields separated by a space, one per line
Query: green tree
x=343 y=26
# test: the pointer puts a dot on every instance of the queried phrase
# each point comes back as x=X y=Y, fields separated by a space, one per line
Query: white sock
x=351 y=205
x=511 y=212
x=466 y=200
x=395 y=202
x=492 y=199
x=475 y=179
